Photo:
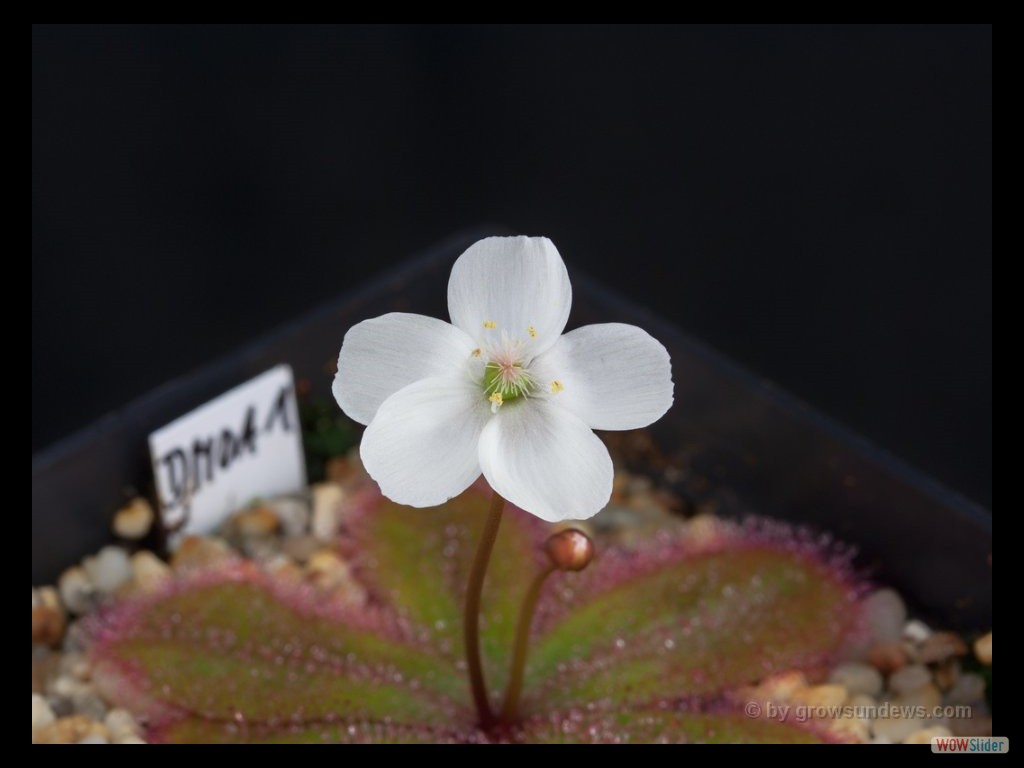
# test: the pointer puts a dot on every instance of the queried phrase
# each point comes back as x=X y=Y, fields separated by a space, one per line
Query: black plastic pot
x=751 y=446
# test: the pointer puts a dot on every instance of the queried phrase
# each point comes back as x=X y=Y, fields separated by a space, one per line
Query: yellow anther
x=557 y=386
x=476 y=352
x=532 y=331
x=490 y=324
x=496 y=401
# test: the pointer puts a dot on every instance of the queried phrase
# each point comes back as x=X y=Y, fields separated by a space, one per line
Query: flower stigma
x=507 y=377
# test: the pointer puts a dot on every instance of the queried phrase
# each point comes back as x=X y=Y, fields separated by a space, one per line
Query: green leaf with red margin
x=622 y=650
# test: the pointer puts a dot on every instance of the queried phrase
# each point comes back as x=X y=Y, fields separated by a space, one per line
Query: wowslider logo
x=977 y=744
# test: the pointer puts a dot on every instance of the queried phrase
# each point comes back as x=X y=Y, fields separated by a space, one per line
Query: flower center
x=505 y=381
x=507 y=376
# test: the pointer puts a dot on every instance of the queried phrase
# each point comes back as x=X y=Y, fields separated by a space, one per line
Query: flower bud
x=570 y=550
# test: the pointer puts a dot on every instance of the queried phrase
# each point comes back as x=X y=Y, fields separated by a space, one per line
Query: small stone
x=90 y=704
x=293 y=514
x=864 y=701
x=82 y=696
x=44 y=667
x=131 y=740
x=62 y=707
x=70 y=730
x=940 y=646
x=896 y=728
x=909 y=679
x=47 y=596
x=709 y=507
x=76 y=664
x=260 y=549
x=885 y=614
x=283 y=568
x=703 y=529
x=76 y=638
x=326 y=568
x=134 y=520
x=257 y=522
x=947 y=673
x=638 y=485
x=327 y=511
x=330 y=573
x=48 y=617
x=983 y=649
x=670 y=503
x=77 y=591
x=674 y=475
x=300 y=548
x=66 y=684
x=42 y=715
x=347 y=471
x=149 y=572
x=108 y=569
x=93 y=739
x=862 y=707
x=121 y=725
x=823 y=696
x=199 y=552
x=887 y=657
x=969 y=688
x=926 y=698
x=850 y=729
x=786 y=686
x=47 y=626
x=925 y=735
x=649 y=508
x=614 y=518
x=858 y=678
x=916 y=631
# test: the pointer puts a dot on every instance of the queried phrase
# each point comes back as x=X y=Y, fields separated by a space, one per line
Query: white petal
x=546 y=461
x=516 y=284
x=422 y=445
x=612 y=376
x=380 y=356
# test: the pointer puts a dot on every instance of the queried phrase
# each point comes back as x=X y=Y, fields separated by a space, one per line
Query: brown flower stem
x=471 y=620
x=510 y=711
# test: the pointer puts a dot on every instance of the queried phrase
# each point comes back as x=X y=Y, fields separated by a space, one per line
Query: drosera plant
x=647 y=645
x=499 y=391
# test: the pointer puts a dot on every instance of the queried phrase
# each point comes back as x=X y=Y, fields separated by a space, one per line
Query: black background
x=814 y=201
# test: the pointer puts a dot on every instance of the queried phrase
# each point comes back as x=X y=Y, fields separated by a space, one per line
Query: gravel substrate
x=905 y=682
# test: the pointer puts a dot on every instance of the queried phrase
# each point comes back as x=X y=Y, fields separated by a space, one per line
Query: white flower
x=500 y=390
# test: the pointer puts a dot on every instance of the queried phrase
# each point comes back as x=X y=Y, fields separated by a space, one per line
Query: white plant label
x=245 y=444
